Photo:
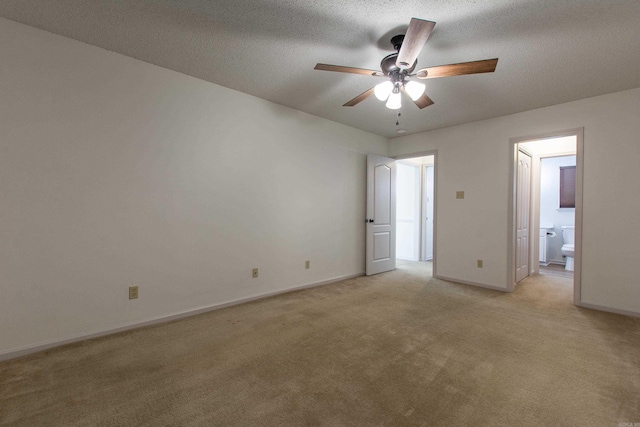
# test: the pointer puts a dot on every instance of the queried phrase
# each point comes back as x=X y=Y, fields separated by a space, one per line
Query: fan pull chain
x=398 y=119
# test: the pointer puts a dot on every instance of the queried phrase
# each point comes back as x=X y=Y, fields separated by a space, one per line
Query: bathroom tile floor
x=555 y=270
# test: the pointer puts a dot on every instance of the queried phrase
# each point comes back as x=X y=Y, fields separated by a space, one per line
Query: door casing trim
x=577 y=274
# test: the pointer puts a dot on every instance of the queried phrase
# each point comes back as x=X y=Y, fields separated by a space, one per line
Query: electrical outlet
x=480 y=263
x=307 y=264
x=133 y=292
x=255 y=273
x=459 y=194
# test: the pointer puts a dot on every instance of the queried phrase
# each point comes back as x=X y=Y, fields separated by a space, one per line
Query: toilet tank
x=568 y=234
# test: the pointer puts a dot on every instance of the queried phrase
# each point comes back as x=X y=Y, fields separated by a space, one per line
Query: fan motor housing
x=388 y=63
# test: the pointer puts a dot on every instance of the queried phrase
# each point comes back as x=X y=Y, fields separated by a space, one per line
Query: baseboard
x=465 y=282
x=608 y=309
x=30 y=349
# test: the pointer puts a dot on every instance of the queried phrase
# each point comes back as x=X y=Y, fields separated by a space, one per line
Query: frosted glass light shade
x=395 y=101
x=414 y=89
x=383 y=90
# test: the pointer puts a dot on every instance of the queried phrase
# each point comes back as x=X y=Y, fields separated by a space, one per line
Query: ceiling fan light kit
x=395 y=100
x=414 y=89
x=383 y=90
x=386 y=90
x=398 y=68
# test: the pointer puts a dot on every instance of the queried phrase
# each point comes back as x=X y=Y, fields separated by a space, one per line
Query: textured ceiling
x=550 y=51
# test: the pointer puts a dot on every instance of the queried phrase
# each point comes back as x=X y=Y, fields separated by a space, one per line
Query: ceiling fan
x=398 y=68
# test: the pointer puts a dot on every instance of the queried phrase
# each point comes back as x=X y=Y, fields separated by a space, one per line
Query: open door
x=381 y=215
x=523 y=200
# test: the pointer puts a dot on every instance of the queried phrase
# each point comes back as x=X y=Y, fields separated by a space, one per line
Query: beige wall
x=114 y=172
x=475 y=158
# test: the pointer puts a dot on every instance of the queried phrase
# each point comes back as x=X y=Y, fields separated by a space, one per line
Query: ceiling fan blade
x=352 y=70
x=417 y=34
x=364 y=95
x=473 y=67
x=423 y=101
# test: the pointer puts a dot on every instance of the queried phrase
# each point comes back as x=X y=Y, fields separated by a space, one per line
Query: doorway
x=541 y=221
x=415 y=209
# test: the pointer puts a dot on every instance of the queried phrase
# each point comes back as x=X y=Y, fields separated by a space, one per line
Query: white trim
x=534 y=248
x=527 y=152
x=414 y=155
x=466 y=282
x=608 y=309
x=577 y=274
x=30 y=349
x=559 y=154
x=436 y=171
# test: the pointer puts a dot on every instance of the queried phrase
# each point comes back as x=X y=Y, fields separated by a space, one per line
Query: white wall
x=475 y=158
x=114 y=172
x=550 y=213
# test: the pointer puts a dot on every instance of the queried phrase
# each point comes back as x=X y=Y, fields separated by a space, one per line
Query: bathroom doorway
x=546 y=211
x=415 y=209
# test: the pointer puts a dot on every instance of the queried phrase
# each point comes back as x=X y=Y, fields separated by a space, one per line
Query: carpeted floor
x=393 y=349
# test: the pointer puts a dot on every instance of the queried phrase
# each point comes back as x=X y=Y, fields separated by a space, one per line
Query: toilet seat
x=568 y=236
x=567 y=250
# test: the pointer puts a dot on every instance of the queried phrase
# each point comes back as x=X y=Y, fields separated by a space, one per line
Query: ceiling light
x=383 y=90
x=414 y=89
x=395 y=101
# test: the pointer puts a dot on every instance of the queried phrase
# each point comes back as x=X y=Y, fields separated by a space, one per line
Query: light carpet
x=395 y=349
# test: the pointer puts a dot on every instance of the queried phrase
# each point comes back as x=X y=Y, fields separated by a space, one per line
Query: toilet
x=568 y=235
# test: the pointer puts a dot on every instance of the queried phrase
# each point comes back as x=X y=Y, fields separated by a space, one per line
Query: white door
x=381 y=214
x=523 y=197
x=427 y=249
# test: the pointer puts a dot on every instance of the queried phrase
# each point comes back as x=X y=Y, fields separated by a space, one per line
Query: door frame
x=535 y=229
x=433 y=153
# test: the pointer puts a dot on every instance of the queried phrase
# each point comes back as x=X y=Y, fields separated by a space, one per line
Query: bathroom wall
x=550 y=213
